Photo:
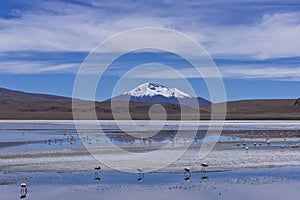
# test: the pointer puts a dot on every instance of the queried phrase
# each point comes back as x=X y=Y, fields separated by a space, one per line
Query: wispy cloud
x=67 y=27
x=278 y=71
x=255 y=29
x=233 y=72
x=35 y=67
x=58 y=26
x=273 y=36
x=254 y=72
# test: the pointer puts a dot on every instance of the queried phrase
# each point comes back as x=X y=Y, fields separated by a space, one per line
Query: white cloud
x=235 y=72
x=56 y=26
x=74 y=27
x=159 y=71
x=273 y=37
x=35 y=67
x=77 y=28
x=254 y=72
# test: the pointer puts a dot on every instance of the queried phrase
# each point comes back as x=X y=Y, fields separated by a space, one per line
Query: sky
x=254 y=43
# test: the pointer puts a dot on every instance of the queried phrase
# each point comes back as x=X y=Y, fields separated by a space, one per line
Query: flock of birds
x=267 y=142
x=186 y=171
x=71 y=139
x=89 y=140
x=68 y=137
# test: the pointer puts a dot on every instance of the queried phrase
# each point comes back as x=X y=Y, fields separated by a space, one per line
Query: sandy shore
x=69 y=160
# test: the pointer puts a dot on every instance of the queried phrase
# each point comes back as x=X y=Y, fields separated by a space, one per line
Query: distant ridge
x=27 y=106
x=13 y=95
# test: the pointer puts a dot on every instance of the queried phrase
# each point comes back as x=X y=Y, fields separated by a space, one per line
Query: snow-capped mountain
x=152 y=89
x=156 y=93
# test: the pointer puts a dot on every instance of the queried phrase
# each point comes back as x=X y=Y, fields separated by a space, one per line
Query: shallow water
x=246 y=184
x=277 y=183
x=55 y=135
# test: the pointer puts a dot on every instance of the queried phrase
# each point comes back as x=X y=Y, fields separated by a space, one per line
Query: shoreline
x=72 y=160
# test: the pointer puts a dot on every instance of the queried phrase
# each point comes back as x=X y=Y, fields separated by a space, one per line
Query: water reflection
x=190 y=190
x=97 y=179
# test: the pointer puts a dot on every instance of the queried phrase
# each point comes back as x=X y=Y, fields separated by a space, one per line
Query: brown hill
x=20 y=105
x=63 y=110
x=12 y=95
x=262 y=109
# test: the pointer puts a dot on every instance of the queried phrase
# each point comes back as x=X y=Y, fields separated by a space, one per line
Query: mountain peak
x=153 y=89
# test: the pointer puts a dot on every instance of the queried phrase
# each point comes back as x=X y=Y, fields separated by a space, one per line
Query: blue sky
x=254 y=43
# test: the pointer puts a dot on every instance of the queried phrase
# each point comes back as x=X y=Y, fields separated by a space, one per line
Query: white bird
x=204 y=164
x=23 y=185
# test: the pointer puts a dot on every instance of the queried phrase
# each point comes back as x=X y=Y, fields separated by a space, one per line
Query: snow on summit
x=152 y=89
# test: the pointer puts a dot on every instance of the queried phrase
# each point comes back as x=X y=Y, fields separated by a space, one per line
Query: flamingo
x=187 y=173
x=141 y=174
x=204 y=165
x=97 y=169
x=23 y=190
